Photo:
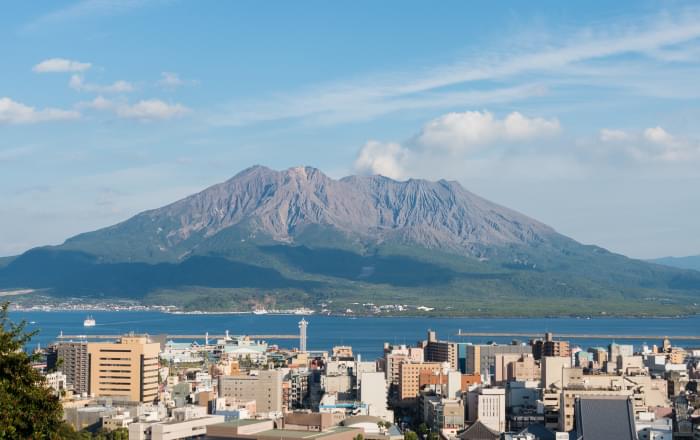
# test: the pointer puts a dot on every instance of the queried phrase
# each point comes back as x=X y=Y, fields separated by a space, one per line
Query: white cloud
x=171 y=80
x=145 y=110
x=455 y=141
x=150 y=109
x=468 y=130
x=613 y=135
x=651 y=145
x=78 y=83
x=99 y=103
x=659 y=136
x=60 y=65
x=386 y=159
x=13 y=112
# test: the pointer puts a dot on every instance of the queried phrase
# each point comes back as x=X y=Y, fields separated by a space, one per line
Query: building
x=605 y=418
x=481 y=359
x=440 y=351
x=127 y=368
x=491 y=408
x=264 y=430
x=173 y=429
x=57 y=382
x=409 y=377
x=550 y=347
x=515 y=367
x=72 y=360
x=374 y=393
x=265 y=387
x=395 y=355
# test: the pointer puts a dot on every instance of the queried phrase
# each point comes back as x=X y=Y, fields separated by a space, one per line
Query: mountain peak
x=281 y=205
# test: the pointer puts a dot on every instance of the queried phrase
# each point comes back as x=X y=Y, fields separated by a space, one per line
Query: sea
x=366 y=335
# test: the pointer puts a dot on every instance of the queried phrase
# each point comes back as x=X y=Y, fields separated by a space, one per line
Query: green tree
x=359 y=437
x=410 y=435
x=422 y=429
x=28 y=408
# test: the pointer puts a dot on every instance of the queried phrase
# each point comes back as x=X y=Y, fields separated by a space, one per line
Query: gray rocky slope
x=375 y=209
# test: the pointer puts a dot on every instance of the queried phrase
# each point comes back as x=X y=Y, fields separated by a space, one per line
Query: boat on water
x=260 y=312
x=89 y=322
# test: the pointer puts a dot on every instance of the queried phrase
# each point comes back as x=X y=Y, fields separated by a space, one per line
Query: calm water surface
x=365 y=334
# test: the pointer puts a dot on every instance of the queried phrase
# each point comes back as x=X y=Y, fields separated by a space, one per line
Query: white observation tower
x=302 y=335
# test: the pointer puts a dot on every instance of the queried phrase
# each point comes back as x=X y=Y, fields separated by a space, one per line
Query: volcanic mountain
x=297 y=237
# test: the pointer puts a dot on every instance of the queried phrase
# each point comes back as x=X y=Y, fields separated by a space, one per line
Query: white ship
x=259 y=311
x=89 y=322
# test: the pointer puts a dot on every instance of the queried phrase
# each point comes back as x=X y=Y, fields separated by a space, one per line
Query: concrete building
x=550 y=347
x=265 y=387
x=127 y=368
x=374 y=393
x=395 y=355
x=173 y=429
x=491 y=408
x=482 y=358
x=409 y=377
x=515 y=367
x=440 y=351
x=264 y=430
x=57 y=382
x=72 y=360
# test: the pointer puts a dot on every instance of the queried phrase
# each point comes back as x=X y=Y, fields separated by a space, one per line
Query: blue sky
x=583 y=115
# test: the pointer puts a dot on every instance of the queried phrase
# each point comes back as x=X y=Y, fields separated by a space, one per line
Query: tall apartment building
x=409 y=377
x=440 y=351
x=395 y=355
x=265 y=387
x=71 y=358
x=550 y=347
x=127 y=368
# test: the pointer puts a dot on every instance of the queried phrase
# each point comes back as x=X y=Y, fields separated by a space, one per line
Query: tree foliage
x=28 y=408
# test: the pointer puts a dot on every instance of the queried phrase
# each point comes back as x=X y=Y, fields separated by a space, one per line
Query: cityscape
x=350 y=220
x=240 y=387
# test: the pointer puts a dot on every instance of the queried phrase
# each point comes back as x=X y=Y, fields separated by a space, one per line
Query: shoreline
x=350 y=316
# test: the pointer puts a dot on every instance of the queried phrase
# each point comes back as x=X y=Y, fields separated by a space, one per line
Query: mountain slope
x=299 y=237
x=691 y=262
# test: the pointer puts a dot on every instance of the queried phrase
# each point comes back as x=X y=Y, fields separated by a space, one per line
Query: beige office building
x=264 y=387
x=127 y=368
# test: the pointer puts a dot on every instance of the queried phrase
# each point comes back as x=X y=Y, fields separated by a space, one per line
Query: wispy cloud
x=78 y=83
x=144 y=110
x=172 y=80
x=375 y=95
x=13 y=112
x=85 y=9
x=53 y=65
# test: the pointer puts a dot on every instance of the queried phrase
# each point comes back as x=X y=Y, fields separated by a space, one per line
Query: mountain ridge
x=302 y=238
x=689 y=262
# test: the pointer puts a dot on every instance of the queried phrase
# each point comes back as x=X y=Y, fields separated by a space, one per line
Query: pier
x=204 y=336
x=575 y=336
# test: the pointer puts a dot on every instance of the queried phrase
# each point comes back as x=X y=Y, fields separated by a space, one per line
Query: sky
x=583 y=115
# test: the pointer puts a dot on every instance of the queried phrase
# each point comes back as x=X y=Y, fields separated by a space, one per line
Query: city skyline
x=581 y=116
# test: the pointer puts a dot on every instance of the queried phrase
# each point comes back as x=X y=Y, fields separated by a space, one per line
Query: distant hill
x=297 y=237
x=692 y=262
